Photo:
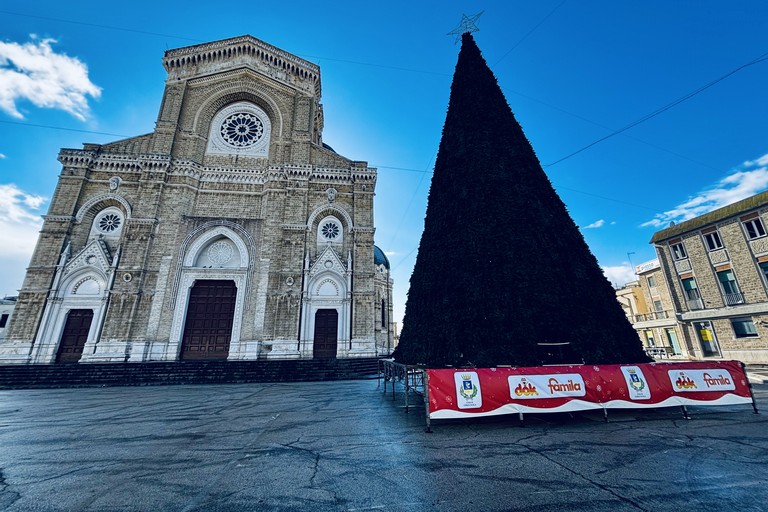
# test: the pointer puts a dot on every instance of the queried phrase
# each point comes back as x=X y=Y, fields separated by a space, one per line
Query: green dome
x=379 y=258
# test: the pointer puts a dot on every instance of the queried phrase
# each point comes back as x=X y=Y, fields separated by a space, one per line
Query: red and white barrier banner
x=456 y=393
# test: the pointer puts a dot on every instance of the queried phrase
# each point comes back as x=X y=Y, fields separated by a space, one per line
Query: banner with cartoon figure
x=457 y=393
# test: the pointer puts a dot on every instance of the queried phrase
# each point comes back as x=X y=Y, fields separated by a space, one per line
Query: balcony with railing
x=731 y=299
x=655 y=315
x=657 y=352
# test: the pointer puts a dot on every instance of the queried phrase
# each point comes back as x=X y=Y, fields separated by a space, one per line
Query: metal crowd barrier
x=412 y=377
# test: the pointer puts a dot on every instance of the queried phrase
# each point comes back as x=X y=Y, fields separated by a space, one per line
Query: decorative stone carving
x=330 y=209
x=206 y=60
x=327 y=261
x=97 y=199
x=109 y=222
x=220 y=252
x=241 y=128
x=330 y=230
x=92 y=255
x=196 y=240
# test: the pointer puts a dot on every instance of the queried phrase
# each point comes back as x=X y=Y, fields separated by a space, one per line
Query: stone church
x=229 y=232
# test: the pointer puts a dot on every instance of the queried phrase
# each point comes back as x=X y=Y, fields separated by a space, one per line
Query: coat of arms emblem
x=468 y=389
x=635 y=381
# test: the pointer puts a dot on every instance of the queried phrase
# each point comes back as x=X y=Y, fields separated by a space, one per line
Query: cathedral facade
x=229 y=232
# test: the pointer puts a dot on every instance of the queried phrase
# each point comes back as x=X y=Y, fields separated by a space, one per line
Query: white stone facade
x=6 y=312
x=233 y=195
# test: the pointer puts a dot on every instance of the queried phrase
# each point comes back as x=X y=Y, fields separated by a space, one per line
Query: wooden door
x=74 y=336
x=326 y=333
x=208 y=326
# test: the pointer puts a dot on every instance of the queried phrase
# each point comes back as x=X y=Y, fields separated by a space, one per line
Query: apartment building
x=716 y=269
x=658 y=327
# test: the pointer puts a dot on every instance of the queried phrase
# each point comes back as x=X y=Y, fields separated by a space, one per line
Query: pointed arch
x=82 y=285
x=93 y=201
x=86 y=284
x=238 y=89
x=329 y=209
x=189 y=272
x=192 y=253
x=327 y=287
x=192 y=237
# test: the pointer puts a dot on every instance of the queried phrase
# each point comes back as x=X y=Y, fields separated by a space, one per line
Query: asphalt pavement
x=757 y=373
x=344 y=446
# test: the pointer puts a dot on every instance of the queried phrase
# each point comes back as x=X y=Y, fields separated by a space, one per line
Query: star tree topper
x=467 y=24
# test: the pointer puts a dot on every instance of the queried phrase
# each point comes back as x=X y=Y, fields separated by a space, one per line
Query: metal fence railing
x=411 y=377
x=654 y=315
x=731 y=299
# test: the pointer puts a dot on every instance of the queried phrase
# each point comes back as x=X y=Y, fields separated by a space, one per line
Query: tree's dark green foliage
x=501 y=265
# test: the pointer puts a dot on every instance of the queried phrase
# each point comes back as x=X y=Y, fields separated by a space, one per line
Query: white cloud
x=33 y=71
x=597 y=224
x=760 y=162
x=389 y=254
x=20 y=223
x=2 y=156
x=620 y=275
x=748 y=179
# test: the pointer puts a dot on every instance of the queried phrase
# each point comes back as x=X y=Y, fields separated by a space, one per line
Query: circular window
x=242 y=130
x=109 y=222
x=330 y=230
x=220 y=252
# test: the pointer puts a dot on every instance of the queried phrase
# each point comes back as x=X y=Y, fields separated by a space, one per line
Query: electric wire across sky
x=427 y=171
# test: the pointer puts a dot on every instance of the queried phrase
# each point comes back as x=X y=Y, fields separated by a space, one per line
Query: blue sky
x=573 y=72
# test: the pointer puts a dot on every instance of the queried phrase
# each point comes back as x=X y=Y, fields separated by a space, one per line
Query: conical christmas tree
x=503 y=275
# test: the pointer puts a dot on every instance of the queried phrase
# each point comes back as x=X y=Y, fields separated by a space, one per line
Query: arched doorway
x=326 y=334
x=212 y=252
x=208 y=325
x=74 y=335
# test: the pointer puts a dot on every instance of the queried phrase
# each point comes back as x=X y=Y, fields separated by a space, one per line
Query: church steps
x=183 y=372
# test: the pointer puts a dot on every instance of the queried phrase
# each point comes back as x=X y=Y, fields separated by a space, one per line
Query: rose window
x=242 y=130
x=109 y=222
x=220 y=252
x=330 y=230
